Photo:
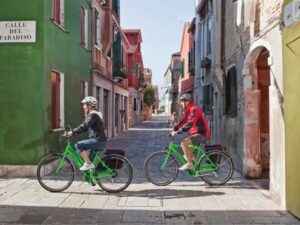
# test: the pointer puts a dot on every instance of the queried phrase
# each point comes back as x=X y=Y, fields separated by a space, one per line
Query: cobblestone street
x=186 y=201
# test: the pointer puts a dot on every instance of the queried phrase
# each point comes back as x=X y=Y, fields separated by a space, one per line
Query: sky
x=161 y=23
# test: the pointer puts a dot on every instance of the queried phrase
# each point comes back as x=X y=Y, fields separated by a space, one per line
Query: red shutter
x=82 y=25
x=57 y=11
x=82 y=95
x=55 y=101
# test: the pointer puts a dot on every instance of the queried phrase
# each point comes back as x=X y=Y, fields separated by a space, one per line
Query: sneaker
x=185 y=157
x=87 y=166
x=186 y=166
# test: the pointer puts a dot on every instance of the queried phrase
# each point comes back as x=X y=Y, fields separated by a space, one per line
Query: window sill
x=85 y=48
x=98 y=47
x=57 y=130
x=59 y=26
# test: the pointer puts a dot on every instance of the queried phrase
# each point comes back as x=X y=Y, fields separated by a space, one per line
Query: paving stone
x=134 y=216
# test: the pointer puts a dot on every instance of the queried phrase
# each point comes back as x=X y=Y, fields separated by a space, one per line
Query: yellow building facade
x=291 y=69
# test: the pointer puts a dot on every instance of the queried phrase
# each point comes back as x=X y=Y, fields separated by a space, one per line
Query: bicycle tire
x=216 y=156
x=154 y=178
x=107 y=184
x=50 y=181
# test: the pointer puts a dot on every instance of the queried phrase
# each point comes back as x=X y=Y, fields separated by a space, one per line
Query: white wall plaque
x=17 y=31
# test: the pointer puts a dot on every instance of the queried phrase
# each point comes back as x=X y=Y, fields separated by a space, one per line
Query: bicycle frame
x=90 y=176
x=172 y=150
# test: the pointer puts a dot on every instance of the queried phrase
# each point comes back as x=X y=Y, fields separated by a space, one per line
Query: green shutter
x=117 y=55
x=182 y=68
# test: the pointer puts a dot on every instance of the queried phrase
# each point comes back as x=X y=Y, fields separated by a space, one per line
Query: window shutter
x=233 y=92
x=62 y=13
x=82 y=25
x=190 y=59
x=57 y=11
x=97 y=28
x=55 y=102
x=224 y=93
x=117 y=54
x=182 y=68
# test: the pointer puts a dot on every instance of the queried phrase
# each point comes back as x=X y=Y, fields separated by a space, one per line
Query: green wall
x=25 y=83
x=291 y=65
x=63 y=52
x=21 y=69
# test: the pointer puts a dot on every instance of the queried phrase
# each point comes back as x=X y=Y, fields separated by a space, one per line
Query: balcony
x=205 y=63
x=120 y=72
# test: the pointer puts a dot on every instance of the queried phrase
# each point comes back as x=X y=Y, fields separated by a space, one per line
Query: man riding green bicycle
x=195 y=123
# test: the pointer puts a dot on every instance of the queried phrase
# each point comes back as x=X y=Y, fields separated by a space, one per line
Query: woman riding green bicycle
x=93 y=123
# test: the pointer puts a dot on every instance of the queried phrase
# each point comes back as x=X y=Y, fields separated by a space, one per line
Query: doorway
x=263 y=83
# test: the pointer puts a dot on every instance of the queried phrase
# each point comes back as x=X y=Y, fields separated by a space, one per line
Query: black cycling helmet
x=186 y=97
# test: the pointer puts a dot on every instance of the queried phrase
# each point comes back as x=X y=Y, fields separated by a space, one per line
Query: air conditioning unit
x=296 y=7
x=292 y=13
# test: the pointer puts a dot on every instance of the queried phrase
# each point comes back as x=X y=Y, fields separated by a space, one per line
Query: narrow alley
x=186 y=201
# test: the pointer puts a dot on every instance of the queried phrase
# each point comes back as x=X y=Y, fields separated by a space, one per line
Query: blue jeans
x=89 y=144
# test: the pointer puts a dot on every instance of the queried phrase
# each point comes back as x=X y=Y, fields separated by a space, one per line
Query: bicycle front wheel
x=54 y=173
x=160 y=168
x=122 y=177
x=217 y=169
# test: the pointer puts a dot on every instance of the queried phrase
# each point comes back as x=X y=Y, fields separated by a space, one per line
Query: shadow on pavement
x=163 y=193
x=49 y=215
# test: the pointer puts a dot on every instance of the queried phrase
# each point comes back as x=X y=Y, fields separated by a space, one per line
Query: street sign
x=17 y=31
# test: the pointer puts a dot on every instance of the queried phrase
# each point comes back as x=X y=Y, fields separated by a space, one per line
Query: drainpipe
x=223 y=23
x=113 y=109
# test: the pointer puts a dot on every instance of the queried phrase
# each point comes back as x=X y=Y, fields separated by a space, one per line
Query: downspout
x=223 y=23
x=92 y=48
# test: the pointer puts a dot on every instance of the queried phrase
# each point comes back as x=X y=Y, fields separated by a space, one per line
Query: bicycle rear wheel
x=55 y=174
x=157 y=175
x=223 y=171
x=123 y=173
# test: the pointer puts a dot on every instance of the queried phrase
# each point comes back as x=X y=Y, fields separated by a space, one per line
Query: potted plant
x=192 y=70
x=205 y=62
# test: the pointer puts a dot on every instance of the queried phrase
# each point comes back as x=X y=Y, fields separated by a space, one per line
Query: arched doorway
x=263 y=83
x=257 y=115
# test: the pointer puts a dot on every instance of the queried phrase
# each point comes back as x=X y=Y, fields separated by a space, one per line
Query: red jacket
x=194 y=122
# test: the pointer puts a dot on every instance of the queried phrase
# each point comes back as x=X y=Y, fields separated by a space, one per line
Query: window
x=58 y=12
x=98 y=92
x=117 y=109
x=239 y=16
x=230 y=95
x=125 y=108
x=57 y=100
x=208 y=35
x=84 y=27
x=97 y=28
x=105 y=108
x=141 y=105
x=134 y=104
x=207 y=98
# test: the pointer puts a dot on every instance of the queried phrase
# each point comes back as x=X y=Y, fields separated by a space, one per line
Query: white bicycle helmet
x=185 y=96
x=89 y=100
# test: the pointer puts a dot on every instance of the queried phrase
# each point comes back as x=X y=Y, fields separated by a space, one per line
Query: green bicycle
x=213 y=165
x=56 y=172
